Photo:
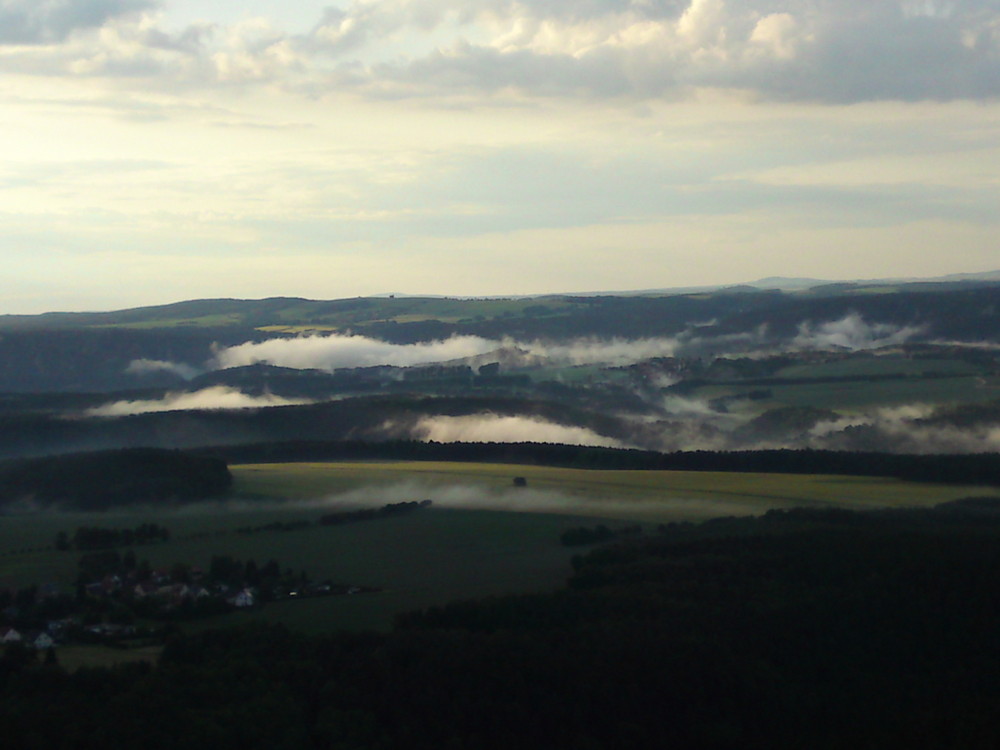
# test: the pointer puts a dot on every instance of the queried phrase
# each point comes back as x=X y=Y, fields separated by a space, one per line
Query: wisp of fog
x=215 y=397
x=494 y=428
x=469 y=496
x=343 y=351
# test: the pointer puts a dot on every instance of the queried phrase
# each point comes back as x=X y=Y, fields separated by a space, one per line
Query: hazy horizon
x=791 y=284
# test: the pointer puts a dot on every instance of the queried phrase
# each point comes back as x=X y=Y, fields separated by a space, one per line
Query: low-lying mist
x=470 y=496
x=908 y=428
x=914 y=428
x=852 y=333
x=335 y=351
x=494 y=428
x=216 y=397
x=148 y=366
x=344 y=351
x=642 y=413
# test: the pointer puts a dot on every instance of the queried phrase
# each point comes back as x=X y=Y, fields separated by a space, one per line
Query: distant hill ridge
x=299 y=312
x=97 y=352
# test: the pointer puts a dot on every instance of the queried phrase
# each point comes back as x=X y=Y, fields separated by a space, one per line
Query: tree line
x=979 y=468
x=105 y=479
x=97 y=537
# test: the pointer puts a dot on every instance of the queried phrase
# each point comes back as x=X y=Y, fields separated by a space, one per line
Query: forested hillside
x=824 y=629
x=90 y=351
x=103 y=480
x=906 y=368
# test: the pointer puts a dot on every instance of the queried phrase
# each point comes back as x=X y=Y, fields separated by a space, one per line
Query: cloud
x=907 y=428
x=804 y=49
x=254 y=51
x=216 y=397
x=129 y=48
x=682 y=406
x=534 y=500
x=147 y=366
x=910 y=428
x=47 y=21
x=343 y=351
x=813 y=50
x=893 y=419
x=691 y=344
x=613 y=351
x=337 y=351
x=827 y=427
x=851 y=332
x=481 y=496
x=493 y=428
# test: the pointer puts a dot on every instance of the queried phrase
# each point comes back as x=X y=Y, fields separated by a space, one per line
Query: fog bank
x=339 y=351
x=216 y=397
x=494 y=428
x=148 y=366
x=851 y=332
x=335 y=351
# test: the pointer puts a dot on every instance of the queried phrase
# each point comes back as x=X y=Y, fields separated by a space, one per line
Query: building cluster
x=112 y=606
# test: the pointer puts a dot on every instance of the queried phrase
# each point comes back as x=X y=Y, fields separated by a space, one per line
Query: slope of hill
x=841 y=366
x=103 y=480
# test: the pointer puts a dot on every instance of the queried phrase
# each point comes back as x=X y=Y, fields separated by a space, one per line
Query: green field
x=951 y=390
x=306 y=315
x=869 y=366
x=469 y=544
x=864 y=382
x=643 y=495
x=853 y=395
x=73 y=658
x=432 y=556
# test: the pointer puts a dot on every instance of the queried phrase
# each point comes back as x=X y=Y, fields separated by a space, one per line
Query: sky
x=155 y=151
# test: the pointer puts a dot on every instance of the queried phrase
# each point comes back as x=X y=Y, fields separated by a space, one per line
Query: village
x=118 y=599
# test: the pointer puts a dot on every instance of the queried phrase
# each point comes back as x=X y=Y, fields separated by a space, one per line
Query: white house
x=41 y=641
x=242 y=599
x=9 y=635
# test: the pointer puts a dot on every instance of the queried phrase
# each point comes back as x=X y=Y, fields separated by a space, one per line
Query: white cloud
x=851 y=332
x=331 y=352
x=342 y=351
x=613 y=351
x=803 y=49
x=778 y=35
x=336 y=351
x=47 y=21
x=493 y=428
x=807 y=49
x=147 y=366
x=681 y=406
x=345 y=351
x=909 y=428
x=490 y=147
x=703 y=24
x=216 y=397
x=254 y=50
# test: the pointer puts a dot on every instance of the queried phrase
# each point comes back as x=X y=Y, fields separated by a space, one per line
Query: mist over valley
x=584 y=485
x=634 y=382
x=906 y=368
